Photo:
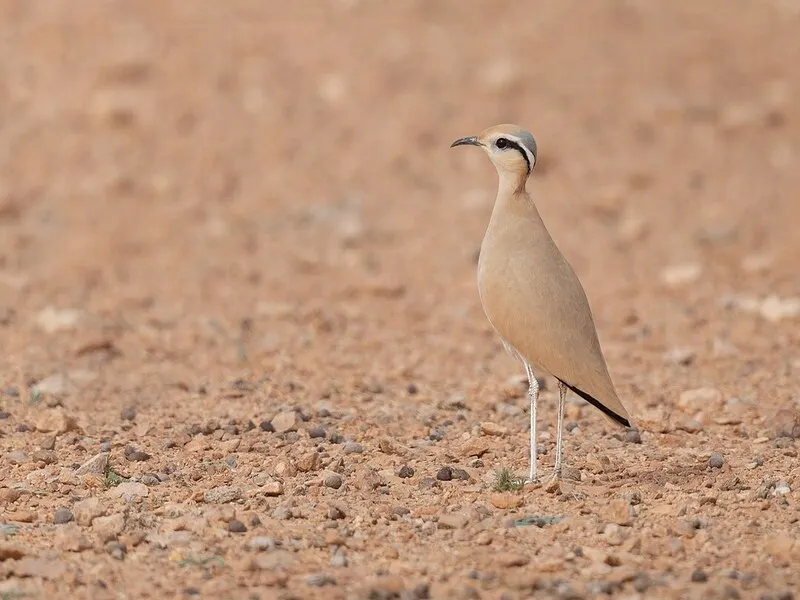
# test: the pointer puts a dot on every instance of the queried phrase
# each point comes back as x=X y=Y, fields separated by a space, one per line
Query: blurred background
x=206 y=172
x=215 y=210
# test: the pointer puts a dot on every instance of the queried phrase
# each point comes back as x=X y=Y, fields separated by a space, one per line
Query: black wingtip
x=598 y=405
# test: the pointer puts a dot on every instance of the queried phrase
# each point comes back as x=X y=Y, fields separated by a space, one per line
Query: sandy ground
x=237 y=289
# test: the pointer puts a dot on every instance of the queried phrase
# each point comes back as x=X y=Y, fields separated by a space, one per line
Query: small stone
x=129 y=491
x=285 y=469
x=261 y=543
x=62 y=515
x=511 y=559
x=339 y=559
x=108 y=528
x=48 y=443
x=149 y=479
x=680 y=356
x=632 y=436
x=22 y=428
x=681 y=274
x=55 y=385
x=489 y=428
x=453 y=521
x=475 y=447
x=775 y=309
x=460 y=475
x=699 y=576
x=353 y=448
x=128 y=413
x=335 y=438
x=688 y=425
x=618 y=511
x=116 y=549
x=505 y=500
x=285 y=421
x=781 y=489
x=85 y=511
x=445 y=474
x=320 y=580
x=308 y=462
x=56 y=421
x=266 y=426
x=235 y=526
x=405 y=472
x=715 y=461
x=135 y=455
x=272 y=488
x=316 y=432
x=222 y=494
x=336 y=512
x=333 y=481
x=16 y=457
x=52 y=319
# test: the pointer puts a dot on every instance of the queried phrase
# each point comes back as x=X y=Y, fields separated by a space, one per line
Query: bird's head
x=511 y=149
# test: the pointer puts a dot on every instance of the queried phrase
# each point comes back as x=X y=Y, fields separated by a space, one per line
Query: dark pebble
x=427 y=483
x=135 y=455
x=570 y=425
x=150 y=479
x=405 y=472
x=191 y=591
x=412 y=389
x=316 y=432
x=249 y=426
x=235 y=526
x=128 y=413
x=22 y=428
x=715 y=461
x=699 y=577
x=323 y=413
x=62 y=515
x=266 y=426
x=436 y=435
x=641 y=582
x=4 y=415
x=333 y=481
x=254 y=520
x=444 y=474
x=460 y=474
x=116 y=549
x=211 y=426
x=105 y=446
x=632 y=436
x=336 y=438
x=422 y=591
x=291 y=437
x=320 y=580
x=12 y=392
x=335 y=513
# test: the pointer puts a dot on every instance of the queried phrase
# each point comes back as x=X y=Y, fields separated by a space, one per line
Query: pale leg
x=562 y=395
x=533 y=395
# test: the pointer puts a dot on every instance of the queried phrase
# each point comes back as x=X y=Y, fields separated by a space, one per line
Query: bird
x=531 y=295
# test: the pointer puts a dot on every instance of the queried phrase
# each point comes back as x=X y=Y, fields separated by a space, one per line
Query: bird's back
x=534 y=300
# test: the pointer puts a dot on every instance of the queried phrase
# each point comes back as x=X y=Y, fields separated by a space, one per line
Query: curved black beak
x=466 y=141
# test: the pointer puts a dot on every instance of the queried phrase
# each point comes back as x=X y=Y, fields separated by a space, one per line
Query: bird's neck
x=512 y=183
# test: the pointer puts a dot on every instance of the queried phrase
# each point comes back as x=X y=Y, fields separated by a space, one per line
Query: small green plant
x=506 y=481
x=36 y=396
x=112 y=478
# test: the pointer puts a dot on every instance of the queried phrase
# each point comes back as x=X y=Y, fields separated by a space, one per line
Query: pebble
x=4 y=414
x=116 y=549
x=129 y=491
x=335 y=512
x=775 y=309
x=222 y=494
x=445 y=474
x=316 y=432
x=353 y=448
x=632 y=436
x=704 y=398
x=339 y=559
x=262 y=543
x=16 y=457
x=128 y=413
x=333 y=481
x=681 y=274
x=266 y=426
x=285 y=421
x=405 y=472
x=460 y=474
x=689 y=425
x=699 y=576
x=85 y=511
x=320 y=580
x=109 y=527
x=511 y=559
x=149 y=479
x=336 y=438
x=715 y=461
x=272 y=488
x=133 y=454
x=490 y=428
x=235 y=526
x=781 y=489
x=453 y=521
x=618 y=511
x=62 y=515
x=308 y=462
x=475 y=447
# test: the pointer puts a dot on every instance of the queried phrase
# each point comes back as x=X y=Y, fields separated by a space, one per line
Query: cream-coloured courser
x=531 y=295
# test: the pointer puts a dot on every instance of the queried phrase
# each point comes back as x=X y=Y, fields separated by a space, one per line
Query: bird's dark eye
x=501 y=143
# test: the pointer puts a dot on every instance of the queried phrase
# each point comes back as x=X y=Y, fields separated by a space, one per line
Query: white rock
x=775 y=309
x=681 y=274
x=53 y=319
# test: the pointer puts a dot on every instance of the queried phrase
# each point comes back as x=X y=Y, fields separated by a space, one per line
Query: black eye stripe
x=520 y=149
